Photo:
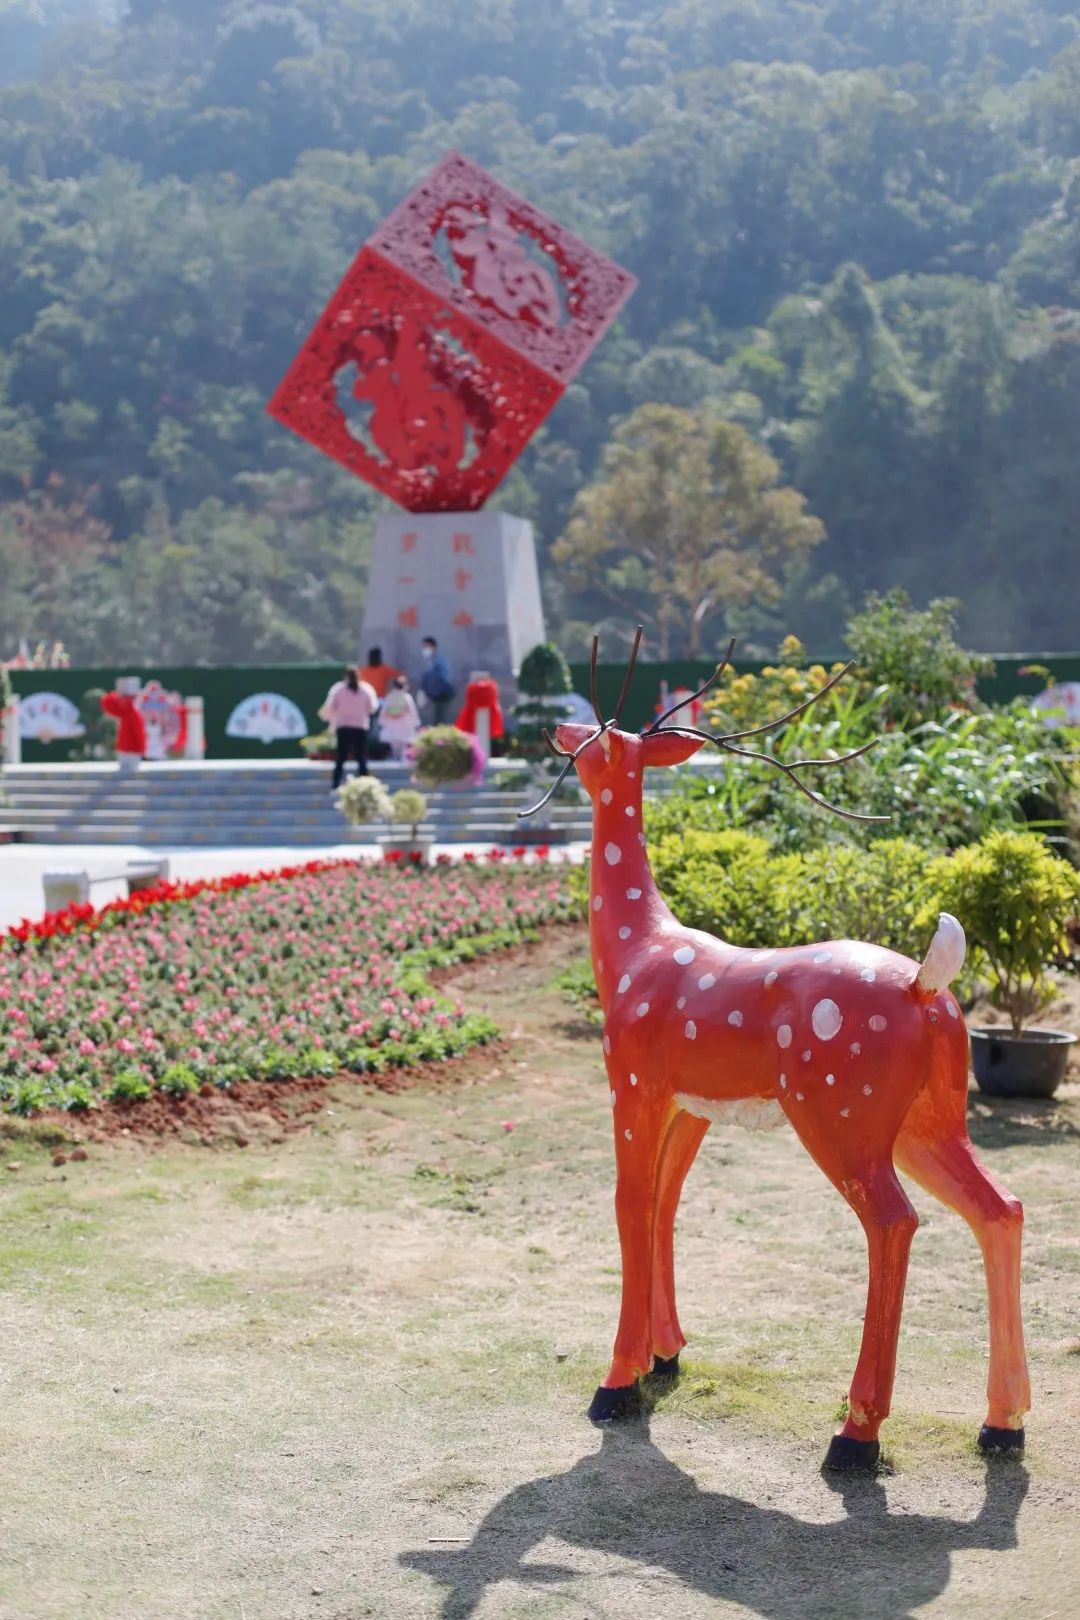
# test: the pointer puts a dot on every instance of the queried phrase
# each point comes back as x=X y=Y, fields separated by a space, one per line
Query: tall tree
x=686 y=520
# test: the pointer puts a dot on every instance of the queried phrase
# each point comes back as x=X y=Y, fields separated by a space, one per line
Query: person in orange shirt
x=377 y=674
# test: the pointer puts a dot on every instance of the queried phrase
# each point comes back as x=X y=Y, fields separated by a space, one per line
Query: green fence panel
x=306 y=685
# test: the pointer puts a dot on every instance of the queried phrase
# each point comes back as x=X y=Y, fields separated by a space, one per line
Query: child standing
x=399 y=721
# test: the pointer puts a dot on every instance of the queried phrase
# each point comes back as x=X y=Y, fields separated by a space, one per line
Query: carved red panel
x=409 y=394
x=491 y=254
x=454 y=332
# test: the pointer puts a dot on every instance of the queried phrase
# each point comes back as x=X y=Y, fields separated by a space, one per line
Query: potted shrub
x=363 y=800
x=1015 y=899
x=408 y=808
x=319 y=746
x=442 y=755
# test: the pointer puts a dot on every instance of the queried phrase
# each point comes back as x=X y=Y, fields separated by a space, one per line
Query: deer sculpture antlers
x=862 y=1051
x=724 y=742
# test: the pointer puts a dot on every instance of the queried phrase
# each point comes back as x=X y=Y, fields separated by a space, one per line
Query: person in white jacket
x=399 y=718
x=351 y=705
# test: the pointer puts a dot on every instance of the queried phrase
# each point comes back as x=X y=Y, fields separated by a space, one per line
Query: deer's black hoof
x=992 y=1440
x=609 y=1405
x=846 y=1453
x=665 y=1366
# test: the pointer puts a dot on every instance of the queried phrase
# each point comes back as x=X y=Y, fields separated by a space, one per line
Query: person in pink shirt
x=351 y=705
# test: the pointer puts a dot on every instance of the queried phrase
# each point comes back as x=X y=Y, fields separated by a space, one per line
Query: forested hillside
x=856 y=225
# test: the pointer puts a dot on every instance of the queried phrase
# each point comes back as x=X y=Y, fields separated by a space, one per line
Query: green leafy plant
x=362 y=800
x=915 y=654
x=1015 y=899
x=179 y=1080
x=408 y=808
x=320 y=745
x=129 y=1086
x=441 y=754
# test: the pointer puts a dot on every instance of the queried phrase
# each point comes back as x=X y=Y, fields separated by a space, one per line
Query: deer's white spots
x=952 y=1009
x=706 y=981
x=830 y=1079
x=807 y=1055
x=783 y=1082
x=613 y=1099
x=643 y=1007
x=612 y=854
x=624 y=932
x=823 y=956
x=868 y=1091
x=783 y=1035
x=623 y=984
x=629 y=1135
x=826 y=1019
x=630 y=811
x=845 y=1113
x=607 y=1045
x=631 y=775
x=681 y=1003
x=691 y=1030
x=633 y=1079
x=868 y=974
x=606 y=796
x=641 y=838
x=770 y=977
x=598 y=902
x=855 y=1048
x=654 y=950
x=735 y=1018
x=799 y=1097
x=877 y=1023
x=633 y=894
x=684 y=955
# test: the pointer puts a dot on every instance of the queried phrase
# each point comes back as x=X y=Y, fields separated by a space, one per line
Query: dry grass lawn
x=341 y=1372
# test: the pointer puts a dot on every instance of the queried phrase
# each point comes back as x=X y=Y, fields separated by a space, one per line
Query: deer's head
x=605 y=755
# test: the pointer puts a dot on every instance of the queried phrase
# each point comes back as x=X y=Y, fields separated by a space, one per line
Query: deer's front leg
x=639 y=1131
x=685 y=1135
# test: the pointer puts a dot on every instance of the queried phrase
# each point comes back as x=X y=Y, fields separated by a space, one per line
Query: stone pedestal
x=468 y=579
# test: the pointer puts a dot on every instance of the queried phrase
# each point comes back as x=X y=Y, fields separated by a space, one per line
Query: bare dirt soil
x=341 y=1371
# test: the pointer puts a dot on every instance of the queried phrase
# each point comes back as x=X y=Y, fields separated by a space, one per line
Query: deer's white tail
x=945 y=957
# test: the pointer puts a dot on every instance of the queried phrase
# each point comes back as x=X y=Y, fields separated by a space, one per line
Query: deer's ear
x=666 y=747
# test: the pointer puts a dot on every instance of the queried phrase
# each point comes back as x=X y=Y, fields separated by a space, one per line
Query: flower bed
x=267 y=976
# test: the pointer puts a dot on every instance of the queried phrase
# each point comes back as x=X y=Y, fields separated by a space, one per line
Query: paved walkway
x=22 y=865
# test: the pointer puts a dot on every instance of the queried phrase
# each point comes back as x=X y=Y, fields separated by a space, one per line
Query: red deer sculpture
x=863 y=1051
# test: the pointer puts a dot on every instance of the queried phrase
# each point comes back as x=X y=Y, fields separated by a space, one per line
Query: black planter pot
x=1031 y=1064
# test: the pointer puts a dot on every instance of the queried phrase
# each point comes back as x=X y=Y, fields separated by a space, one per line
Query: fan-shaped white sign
x=267 y=717
x=49 y=717
x=1059 y=705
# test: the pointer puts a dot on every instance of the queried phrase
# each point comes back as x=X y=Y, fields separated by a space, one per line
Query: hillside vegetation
x=856 y=225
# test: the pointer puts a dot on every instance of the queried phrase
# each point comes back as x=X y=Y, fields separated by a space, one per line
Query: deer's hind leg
x=685 y=1135
x=860 y=1166
x=952 y=1171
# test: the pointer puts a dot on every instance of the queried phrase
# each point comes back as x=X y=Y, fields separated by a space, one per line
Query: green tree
x=686 y=519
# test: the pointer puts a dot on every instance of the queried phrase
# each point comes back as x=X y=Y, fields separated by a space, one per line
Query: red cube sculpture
x=455 y=331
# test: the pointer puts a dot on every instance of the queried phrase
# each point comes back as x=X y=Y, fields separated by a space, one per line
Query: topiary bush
x=1015 y=900
x=441 y=754
x=543 y=678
